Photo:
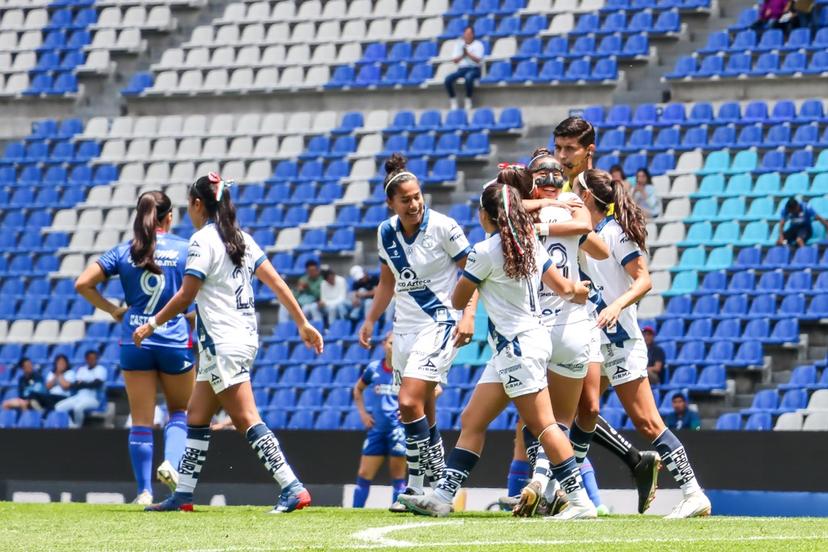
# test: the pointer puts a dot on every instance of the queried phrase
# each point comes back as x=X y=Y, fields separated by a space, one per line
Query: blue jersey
x=147 y=293
x=381 y=402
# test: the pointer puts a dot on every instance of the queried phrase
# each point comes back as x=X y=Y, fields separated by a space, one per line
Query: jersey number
x=557 y=253
x=152 y=285
x=244 y=300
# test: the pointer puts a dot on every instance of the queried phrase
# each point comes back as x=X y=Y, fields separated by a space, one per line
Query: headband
x=538 y=156
x=583 y=183
x=504 y=193
x=396 y=176
x=491 y=182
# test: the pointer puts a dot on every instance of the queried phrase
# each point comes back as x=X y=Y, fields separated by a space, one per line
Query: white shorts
x=520 y=369
x=623 y=364
x=225 y=369
x=574 y=346
x=426 y=355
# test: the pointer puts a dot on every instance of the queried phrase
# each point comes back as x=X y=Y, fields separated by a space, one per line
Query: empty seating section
x=745 y=51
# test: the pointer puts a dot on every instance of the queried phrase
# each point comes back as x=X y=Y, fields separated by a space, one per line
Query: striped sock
x=569 y=476
x=195 y=453
x=267 y=448
x=532 y=446
x=580 y=440
x=417 y=440
x=675 y=459
x=460 y=464
x=436 y=462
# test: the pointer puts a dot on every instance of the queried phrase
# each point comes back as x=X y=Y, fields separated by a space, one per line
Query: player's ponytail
x=518 y=178
x=396 y=174
x=503 y=206
x=606 y=191
x=214 y=193
x=152 y=208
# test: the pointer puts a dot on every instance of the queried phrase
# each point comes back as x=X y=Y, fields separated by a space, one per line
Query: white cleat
x=426 y=505
x=143 y=499
x=167 y=475
x=576 y=511
x=694 y=505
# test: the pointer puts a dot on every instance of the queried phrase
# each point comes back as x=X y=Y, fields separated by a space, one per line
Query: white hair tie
x=396 y=176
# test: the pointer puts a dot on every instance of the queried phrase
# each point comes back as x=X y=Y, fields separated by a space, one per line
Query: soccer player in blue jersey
x=221 y=262
x=420 y=251
x=151 y=269
x=380 y=415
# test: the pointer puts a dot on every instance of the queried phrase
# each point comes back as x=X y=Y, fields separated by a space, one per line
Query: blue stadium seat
x=56 y=420
x=712 y=377
x=732 y=421
x=748 y=355
x=686 y=67
x=301 y=419
x=818 y=64
x=802 y=377
x=760 y=421
x=499 y=71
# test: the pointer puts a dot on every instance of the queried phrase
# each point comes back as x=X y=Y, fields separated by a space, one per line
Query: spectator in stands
x=771 y=14
x=333 y=295
x=617 y=173
x=655 y=356
x=803 y=11
x=798 y=216
x=468 y=55
x=308 y=290
x=645 y=195
x=88 y=382
x=29 y=381
x=58 y=383
x=682 y=417
x=362 y=291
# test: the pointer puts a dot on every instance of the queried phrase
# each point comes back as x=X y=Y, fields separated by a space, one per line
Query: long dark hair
x=518 y=178
x=63 y=357
x=607 y=191
x=152 y=208
x=396 y=174
x=503 y=205
x=213 y=193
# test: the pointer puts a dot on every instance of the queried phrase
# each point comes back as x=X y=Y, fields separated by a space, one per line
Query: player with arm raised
x=420 y=251
x=221 y=261
x=150 y=267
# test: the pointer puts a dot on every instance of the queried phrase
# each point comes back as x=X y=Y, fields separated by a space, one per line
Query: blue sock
x=398 y=487
x=175 y=437
x=675 y=459
x=590 y=483
x=363 y=487
x=580 y=440
x=140 y=452
x=532 y=446
x=458 y=467
x=519 y=475
x=417 y=438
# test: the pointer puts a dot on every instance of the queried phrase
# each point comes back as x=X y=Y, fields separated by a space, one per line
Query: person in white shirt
x=87 y=384
x=420 y=251
x=508 y=270
x=468 y=55
x=221 y=261
x=645 y=195
x=333 y=295
x=621 y=281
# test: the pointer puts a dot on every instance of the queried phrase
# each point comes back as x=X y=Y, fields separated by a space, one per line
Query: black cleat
x=645 y=474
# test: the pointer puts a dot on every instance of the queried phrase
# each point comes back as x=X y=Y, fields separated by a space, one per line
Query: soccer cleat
x=530 y=497
x=176 y=502
x=167 y=475
x=645 y=474
x=558 y=504
x=576 y=511
x=508 y=503
x=293 y=497
x=399 y=507
x=144 y=499
x=426 y=505
x=693 y=505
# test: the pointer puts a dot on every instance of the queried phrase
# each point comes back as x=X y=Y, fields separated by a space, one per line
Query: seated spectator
x=617 y=173
x=333 y=300
x=645 y=195
x=29 y=382
x=307 y=292
x=682 y=417
x=87 y=382
x=803 y=11
x=468 y=55
x=58 y=384
x=772 y=14
x=655 y=356
x=362 y=291
x=798 y=216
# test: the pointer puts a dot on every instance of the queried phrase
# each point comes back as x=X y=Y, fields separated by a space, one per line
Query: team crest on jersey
x=428 y=242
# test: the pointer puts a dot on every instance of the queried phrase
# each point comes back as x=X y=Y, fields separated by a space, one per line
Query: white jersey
x=563 y=250
x=224 y=304
x=610 y=280
x=424 y=269
x=513 y=305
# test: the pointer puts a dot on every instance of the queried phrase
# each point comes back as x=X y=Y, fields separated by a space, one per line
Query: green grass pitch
x=82 y=527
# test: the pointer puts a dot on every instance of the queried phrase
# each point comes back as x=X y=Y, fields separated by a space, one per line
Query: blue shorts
x=169 y=360
x=384 y=442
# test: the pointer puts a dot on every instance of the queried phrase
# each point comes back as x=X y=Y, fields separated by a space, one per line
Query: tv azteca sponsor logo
x=408 y=281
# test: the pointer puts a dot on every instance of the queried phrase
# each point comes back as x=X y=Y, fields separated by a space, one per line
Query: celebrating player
x=508 y=269
x=221 y=261
x=386 y=436
x=151 y=270
x=622 y=281
x=420 y=251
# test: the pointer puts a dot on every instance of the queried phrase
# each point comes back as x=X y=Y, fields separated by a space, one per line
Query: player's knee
x=410 y=406
x=649 y=426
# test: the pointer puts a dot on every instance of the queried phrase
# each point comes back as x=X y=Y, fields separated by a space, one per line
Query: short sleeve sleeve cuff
x=197 y=273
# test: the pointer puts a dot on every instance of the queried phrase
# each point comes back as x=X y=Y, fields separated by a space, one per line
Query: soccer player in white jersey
x=221 y=261
x=621 y=281
x=507 y=269
x=420 y=251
